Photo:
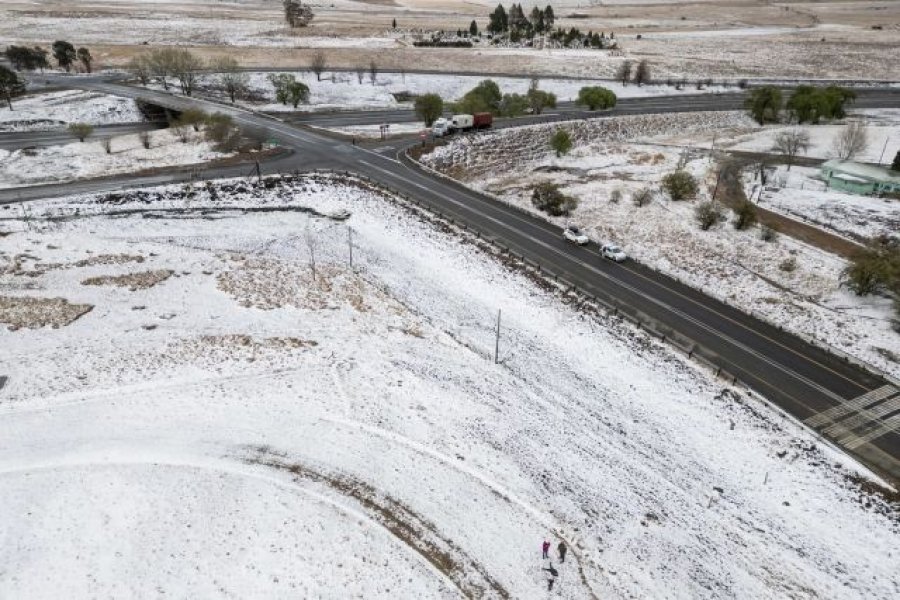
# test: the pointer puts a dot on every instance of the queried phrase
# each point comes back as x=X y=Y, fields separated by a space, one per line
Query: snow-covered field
x=786 y=282
x=238 y=429
x=55 y=110
x=801 y=194
x=343 y=90
x=80 y=160
x=882 y=136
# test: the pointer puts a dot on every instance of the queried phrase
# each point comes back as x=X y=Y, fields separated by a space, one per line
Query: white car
x=612 y=252
x=575 y=235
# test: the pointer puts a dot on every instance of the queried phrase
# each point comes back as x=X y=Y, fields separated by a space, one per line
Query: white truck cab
x=441 y=127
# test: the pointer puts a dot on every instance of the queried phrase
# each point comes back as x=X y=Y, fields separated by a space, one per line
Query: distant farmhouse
x=857 y=178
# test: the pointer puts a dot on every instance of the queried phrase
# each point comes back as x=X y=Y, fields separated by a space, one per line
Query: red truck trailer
x=482 y=120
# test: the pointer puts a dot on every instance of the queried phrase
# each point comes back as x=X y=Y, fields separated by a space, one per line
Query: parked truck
x=456 y=123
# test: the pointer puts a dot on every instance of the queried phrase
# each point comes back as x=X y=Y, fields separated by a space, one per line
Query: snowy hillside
x=193 y=411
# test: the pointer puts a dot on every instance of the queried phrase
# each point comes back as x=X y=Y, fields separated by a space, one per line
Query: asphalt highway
x=827 y=392
x=30 y=139
x=866 y=98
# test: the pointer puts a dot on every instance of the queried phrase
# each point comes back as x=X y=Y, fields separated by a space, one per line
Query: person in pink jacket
x=546 y=548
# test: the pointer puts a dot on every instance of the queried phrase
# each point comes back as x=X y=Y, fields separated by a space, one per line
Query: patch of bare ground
x=219 y=349
x=410 y=528
x=34 y=313
x=133 y=281
x=268 y=284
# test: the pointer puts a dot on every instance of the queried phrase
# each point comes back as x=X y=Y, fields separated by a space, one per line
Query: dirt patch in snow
x=133 y=281
x=33 y=313
x=269 y=284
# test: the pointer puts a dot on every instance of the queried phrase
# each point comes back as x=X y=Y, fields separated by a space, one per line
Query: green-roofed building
x=859 y=178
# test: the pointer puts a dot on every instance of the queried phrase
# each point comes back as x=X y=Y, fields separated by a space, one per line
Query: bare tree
x=80 y=130
x=234 y=81
x=181 y=130
x=624 y=72
x=642 y=73
x=850 y=141
x=317 y=65
x=139 y=66
x=373 y=72
x=312 y=243
x=360 y=73
x=186 y=67
x=106 y=143
x=790 y=143
x=160 y=63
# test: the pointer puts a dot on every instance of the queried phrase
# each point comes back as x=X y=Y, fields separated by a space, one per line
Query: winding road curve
x=854 y=409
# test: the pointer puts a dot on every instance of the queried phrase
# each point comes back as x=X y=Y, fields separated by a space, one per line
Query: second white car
x=612 y=252
x=575 y=235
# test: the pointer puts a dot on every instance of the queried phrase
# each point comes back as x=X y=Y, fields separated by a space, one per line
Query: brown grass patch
x=34 y=313
x=268 y=284
x=133 y=281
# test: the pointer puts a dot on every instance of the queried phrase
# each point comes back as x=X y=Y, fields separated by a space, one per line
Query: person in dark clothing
x=553 y=574
x=562 y=551
x=545 y=547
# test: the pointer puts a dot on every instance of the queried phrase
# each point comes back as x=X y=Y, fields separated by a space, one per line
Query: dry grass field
x=716 y=38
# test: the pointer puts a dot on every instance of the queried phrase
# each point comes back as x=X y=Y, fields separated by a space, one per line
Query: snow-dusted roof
x=862 y=171
x=850 y=178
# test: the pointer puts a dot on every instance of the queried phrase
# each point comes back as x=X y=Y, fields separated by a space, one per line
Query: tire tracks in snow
x=416 y=532
x=497 y=489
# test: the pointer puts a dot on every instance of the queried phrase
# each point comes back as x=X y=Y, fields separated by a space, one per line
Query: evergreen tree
x=11 y=85
x=499 y=22
x=895 y=166
x=64 y=53
x=537 y=19
x=549 y=17
x=473 y=28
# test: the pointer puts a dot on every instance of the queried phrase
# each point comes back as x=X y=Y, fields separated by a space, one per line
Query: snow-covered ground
x=882 y=134
x=801 y=194
x=240 y=429
x=786 y=282
x=55 y=110
x=343 y=90
x=80 y=160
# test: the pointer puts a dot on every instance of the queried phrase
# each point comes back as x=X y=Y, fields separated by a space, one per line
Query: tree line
x=64 y=53
x=24 y=58
x=807 y=104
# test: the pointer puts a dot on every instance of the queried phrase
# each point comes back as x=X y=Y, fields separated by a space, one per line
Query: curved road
x=854 y=409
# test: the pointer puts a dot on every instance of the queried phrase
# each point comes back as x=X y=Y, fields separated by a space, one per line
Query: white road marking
x=854 y=442
x=863 y=417
x=845 y=408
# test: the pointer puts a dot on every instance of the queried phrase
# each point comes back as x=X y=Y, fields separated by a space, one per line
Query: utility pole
x=716 y=189
x=886 y=140
x=497 y=340
x=350 y=245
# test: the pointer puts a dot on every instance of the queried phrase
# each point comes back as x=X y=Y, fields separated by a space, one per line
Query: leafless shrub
x=642 y=197
x=850 y=141
x=790 y=143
